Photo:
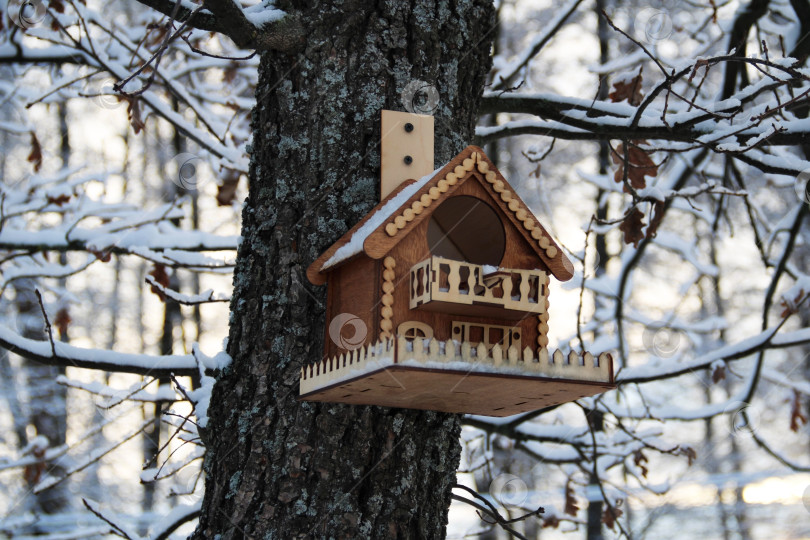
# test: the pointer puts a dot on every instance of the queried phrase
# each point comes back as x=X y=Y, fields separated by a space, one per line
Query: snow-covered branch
x=265 y=29
x=69 y=355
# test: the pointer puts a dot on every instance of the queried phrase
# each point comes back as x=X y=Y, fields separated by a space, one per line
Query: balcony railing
x=458 y=287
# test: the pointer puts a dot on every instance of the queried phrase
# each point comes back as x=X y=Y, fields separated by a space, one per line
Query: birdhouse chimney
x=406 y=149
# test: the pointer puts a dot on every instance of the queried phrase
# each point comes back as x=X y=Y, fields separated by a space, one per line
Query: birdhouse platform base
x=455 y=378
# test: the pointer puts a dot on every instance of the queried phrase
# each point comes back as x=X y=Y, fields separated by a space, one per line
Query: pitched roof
x=413 y=201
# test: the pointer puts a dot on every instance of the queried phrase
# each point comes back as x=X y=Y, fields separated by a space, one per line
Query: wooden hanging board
x=406 y=149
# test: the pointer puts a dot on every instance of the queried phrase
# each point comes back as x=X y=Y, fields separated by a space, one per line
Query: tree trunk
x=277 y=467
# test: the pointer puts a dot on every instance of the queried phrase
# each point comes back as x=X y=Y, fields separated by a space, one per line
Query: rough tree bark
x=276 y=467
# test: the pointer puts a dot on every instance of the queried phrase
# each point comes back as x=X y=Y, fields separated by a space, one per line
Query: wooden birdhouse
x=438 y=298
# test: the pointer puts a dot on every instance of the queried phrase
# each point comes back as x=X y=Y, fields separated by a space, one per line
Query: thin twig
x=116 y=529
x=47 y=322
x=485 y=510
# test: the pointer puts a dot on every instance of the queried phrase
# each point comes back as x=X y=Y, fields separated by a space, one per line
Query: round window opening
x=464 y=228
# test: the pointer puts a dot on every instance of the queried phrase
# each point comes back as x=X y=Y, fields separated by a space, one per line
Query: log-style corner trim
x=387 y=300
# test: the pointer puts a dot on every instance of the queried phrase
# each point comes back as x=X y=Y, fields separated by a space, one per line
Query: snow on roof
x=355 y=243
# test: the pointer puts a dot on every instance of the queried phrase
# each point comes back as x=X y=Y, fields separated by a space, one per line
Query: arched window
x=411 y=330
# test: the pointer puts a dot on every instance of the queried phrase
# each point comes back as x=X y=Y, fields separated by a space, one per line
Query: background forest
x=665 y=145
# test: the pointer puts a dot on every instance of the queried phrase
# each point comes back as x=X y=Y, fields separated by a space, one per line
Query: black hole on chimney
x=408 y=127
x=408 y=160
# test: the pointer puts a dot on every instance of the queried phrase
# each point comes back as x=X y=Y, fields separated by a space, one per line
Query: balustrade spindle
x=525 y=287
x=470 y=280
x=426 y=280
x=507 y=289
x=454 y=278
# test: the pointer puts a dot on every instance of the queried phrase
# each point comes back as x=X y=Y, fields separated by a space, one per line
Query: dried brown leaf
x=62 y=321
x=35 y=156
x=797 y=418
x=571 y=507
x=639 y=164
x=33 y=471
x=59 y=200
x=103 y=256
x=789 y=307
x=640 y=460
x=632 y=226
x=718 y=374
x=226 y=192
x=134 y=113
x=230 y=72
x=630 y=91
x=611 y=514
x=162 y=278
x=551 y=521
